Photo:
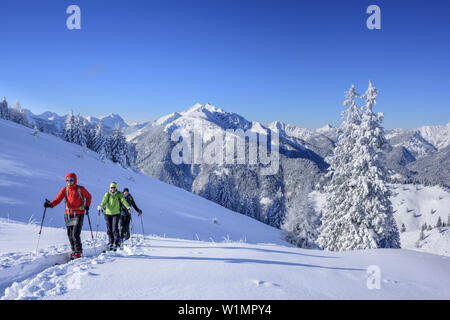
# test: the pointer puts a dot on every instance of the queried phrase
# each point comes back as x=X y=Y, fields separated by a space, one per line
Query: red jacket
x=74 y=204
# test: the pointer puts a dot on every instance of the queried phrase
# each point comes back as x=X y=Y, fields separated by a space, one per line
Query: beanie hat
x=113 y=184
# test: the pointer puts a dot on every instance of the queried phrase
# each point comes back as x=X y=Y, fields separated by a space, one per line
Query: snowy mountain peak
x=167 y=118
x=221 y=118
x=325 y=128
x=276 y=125
x=202 y=108
x=111 y=116
x=114 y=115
x=112 y=120
x=195 y=107
x=48 y=115
x=438 y=136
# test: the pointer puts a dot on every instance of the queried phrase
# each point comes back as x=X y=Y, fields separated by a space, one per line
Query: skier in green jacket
x=111 y=207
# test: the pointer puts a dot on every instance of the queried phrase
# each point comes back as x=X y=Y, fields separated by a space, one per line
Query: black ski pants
x=112 y=225
x=125 y=226
x=74 y=224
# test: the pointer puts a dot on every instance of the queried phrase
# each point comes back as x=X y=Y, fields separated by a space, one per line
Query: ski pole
x=142 y=224
x=92 y=234
x=40 y=230
x=96 y=231
x=131 y=222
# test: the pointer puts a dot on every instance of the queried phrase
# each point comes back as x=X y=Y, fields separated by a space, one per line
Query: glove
x=48 y=204
x=140 y=212
x=86 y=208
x=100 y=208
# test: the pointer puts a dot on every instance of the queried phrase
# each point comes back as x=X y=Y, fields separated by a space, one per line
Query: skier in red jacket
x=78 y=200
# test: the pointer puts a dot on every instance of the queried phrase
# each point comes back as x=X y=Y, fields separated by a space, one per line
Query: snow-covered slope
x=417 y=206
x=439 y=136
x=414 y=206
x=167 y=268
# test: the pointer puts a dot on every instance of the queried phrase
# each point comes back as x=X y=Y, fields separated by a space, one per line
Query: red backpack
x=81 y=197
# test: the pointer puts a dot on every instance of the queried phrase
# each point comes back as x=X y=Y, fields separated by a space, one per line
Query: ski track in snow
x=53 y=274
x=161 y=268
x=32 y=278
x=30 y=275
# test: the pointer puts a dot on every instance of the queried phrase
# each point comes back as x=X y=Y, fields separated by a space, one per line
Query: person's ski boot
x=72 y=256
x=109 y=248
x=77 y=255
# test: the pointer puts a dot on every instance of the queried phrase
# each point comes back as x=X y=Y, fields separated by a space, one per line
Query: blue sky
x=266 y=60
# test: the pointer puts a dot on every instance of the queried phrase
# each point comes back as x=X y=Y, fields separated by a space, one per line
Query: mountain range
x=50 y=122
x=418 y=156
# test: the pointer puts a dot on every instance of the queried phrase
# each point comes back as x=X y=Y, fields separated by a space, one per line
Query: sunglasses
x=70 y=179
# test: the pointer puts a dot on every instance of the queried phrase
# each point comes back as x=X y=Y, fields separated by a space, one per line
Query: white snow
x=438 y=136
x=325 y=128
x=413 y=206
x=168 y=268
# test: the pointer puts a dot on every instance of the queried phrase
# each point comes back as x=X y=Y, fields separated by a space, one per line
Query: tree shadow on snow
x=248 y=248
x=243 y=260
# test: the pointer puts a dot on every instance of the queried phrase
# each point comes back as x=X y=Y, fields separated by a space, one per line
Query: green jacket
x=111 y=203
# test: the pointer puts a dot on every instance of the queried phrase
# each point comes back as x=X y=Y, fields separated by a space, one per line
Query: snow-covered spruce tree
x=35 y=131
x=379 y=210
x=4 y=110
x=17 y=114
x=69 y=125
x=358 y=213
x=99 y=141
x=88 y=133
x=118 y=147
x=276 y=210
x=75 y=130
x=439 y=223
x=301 y=222
x=248 y=206
x=79 y=134
x=335 y=220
